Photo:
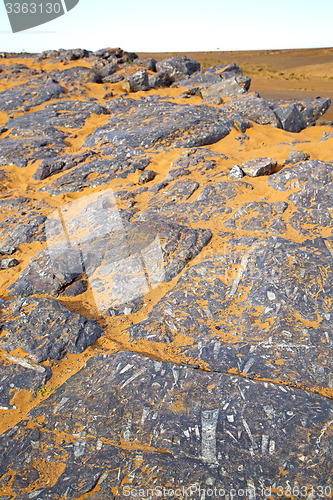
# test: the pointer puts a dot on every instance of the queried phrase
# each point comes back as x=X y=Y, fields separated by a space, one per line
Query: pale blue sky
x=179 y=25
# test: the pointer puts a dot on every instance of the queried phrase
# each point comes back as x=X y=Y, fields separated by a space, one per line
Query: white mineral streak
x=208 y=439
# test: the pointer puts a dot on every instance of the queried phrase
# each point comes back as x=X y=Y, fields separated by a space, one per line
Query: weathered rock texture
x=166 y=283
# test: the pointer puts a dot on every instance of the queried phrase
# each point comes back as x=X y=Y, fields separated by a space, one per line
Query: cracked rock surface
x=166 y=281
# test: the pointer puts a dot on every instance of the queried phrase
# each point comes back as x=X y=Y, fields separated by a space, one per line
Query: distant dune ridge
x=166 y=274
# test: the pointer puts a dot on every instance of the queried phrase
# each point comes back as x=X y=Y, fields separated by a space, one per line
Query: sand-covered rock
x=166 y=280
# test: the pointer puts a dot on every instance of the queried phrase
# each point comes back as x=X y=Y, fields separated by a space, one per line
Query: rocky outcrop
x=44 y=329
x=166 y=283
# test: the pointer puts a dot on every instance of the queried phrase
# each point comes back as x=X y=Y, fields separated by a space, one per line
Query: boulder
x=296 y=157
x=160 y=79
x=17 y=374
x=178 y=67
x=254 y=108
x=136 y=82
x=149 y=63
x=294 y=111
x=226 y=88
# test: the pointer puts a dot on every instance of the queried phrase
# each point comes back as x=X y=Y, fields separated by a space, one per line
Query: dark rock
x=122 y=259
x=22 y=150
x=309 y=110
x=7 y=263
x=44 y=329
x=7 y=250
x=32 y=93
x=146 y=176
x=99 y=172
x=290 y=117
x=160 y=79
x=67 y=113
x=311 y=222
x=253 y=108
x=30 y=229
x=138 y=81
x=71 y=54
x=53 y=166
x=239 y=121
x=182 y=125
x=178 y=67
x=173 y=203
x=202 y=430
x=207 y=77
x=103 y=69
x=17 y=374
x=309 y=174
x=108 y=95
x=258 y=166
x=225 y=88
x=113 y=78
x=75 y=75
x=34 y=135
x=259 y=216
x=76 y=288
x=149 y=63
x=280 y=329
x=213 y=99
x=296 y=157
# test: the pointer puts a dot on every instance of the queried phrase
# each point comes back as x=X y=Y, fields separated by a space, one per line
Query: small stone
x=212 y=99
x=7 y=263
x=146 y=176
x=236 y=172
x=296 y=157
x=271 y=296
x=258 y=166
x=108 y=95
x=113 y=78
x=7 y=250
x=76 y=288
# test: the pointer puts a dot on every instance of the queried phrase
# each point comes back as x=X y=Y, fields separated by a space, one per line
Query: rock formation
x=166 y=282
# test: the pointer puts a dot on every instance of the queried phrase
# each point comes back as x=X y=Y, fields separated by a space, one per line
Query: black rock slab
x=53 y=166
x=203 y=430
x=296 y=114
x=314 y=198
x=44 y=144
x=76 y=75
x=118 y=163
x=44 y=329
x=122 y=259
x=172 y=203
x=17 y=374
x=29 y=94
x=259 y=216
x=30 y=229
x=147 y=123
x=66 y=113
x=272 y=318
x=207 y=77
x=308 y=174
x=254 y=108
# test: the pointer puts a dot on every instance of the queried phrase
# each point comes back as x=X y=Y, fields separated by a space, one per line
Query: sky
x=178 y=25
